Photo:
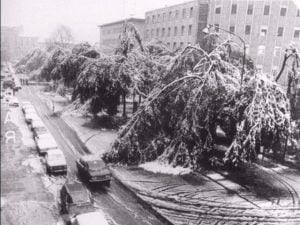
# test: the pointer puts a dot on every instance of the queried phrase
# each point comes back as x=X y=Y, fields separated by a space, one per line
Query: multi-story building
x=9 y=42
x=14 y=46
x=177 y=25
x=110 y=32
x=268 y=27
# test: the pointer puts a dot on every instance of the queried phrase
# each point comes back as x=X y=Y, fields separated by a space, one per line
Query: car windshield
x=41 y=130
x=94 y=164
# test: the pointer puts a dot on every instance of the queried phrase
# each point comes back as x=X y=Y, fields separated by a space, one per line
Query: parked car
x=25 y=104
x=93 y=169
x=38 y=128
x=29 y=117
x=28 y=109
x=14 y=101
x=91 y=218
x=75 y=198
x=45 y=143
x=55 y=161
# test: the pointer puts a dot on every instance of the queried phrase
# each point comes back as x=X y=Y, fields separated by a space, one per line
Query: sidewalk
x=206 y=197
x=25 y=198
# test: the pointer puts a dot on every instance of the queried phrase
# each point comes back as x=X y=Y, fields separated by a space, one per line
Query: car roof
x=91 y=218
x=55 y=152
x=77 y=191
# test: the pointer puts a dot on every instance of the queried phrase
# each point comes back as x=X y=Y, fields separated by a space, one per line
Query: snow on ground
x=18 y=119
x=159 y=167
x=3 y=201
x=34 y=163
x=31 y=212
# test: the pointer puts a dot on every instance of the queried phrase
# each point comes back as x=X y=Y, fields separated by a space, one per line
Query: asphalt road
x=120 y=205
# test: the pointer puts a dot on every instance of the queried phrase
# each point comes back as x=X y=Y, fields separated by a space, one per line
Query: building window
x=218 y=10
x=153 y=18
x=163 y=32
x=164 y=16
x=250 y=9
x=157 y=32
x=174 y=45
x=168 y=44
x=233 y=8
x=280 y=32
x=147 y=33
x=232 y=29
x=190 y=30
x=148 y=19
x=263 y=31
x=297 y=33
x=298 y=13
x=247 y=29
x=261 y=50
x=266 y=10
x=183 y=13
x=182 y=30
x=277 y=51
x=158 y=18
x=191 y=11
x=169 y=31
x=217 y=27
x=283 y=12
x=152 y=33
x=181 y=44
x=170 y=15
x=175 y=31
x=176 y=14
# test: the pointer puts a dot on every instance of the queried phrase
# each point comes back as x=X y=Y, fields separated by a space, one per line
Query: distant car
x=14 y=101
x=28 y=109
x=45 y=143
x=29 y=117
x=55 y=161
x=91 y=218
x=26 y=104
x=75 y=199
x=93 y=169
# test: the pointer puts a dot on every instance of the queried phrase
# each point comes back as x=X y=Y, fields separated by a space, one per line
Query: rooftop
x=132 y=19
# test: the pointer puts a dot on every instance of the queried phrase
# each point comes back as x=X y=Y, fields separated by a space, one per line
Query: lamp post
x=206 y=31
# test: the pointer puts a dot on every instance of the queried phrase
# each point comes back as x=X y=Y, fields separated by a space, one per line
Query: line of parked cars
x=75 y=198
x=46 y=145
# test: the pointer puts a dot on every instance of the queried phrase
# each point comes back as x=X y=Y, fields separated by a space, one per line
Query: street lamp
x=206 y=31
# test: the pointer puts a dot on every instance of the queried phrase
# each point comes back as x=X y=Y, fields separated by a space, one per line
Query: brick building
x=110 y=32
x=177 y=25
x=266 y=26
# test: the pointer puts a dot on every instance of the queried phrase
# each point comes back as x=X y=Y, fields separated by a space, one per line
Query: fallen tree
x=199 y=92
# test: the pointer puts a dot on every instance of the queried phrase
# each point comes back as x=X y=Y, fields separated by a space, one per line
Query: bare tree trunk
x=134 y=104
x=140 y=99
x=124 y=105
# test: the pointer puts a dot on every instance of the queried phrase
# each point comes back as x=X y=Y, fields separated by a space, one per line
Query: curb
x=140 y=199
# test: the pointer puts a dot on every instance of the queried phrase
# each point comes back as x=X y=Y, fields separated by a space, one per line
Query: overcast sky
x=40 y=17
